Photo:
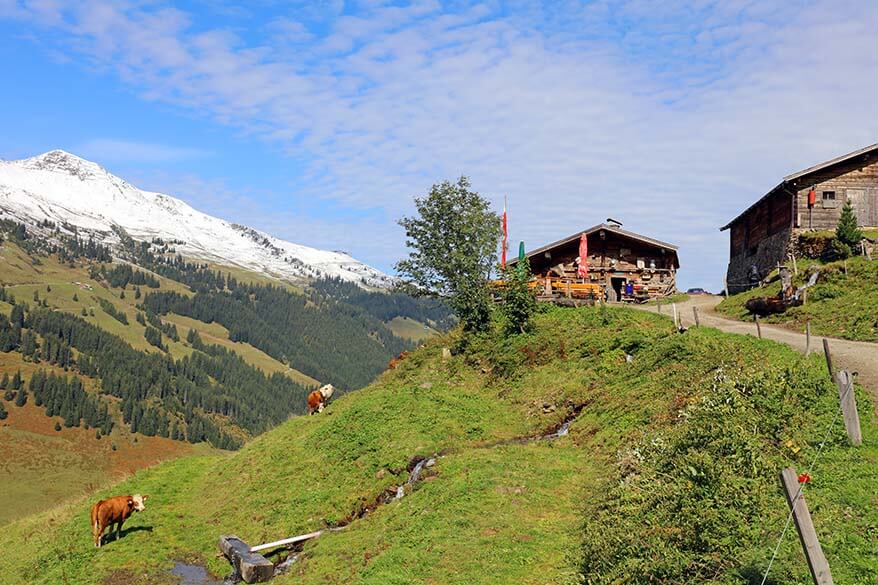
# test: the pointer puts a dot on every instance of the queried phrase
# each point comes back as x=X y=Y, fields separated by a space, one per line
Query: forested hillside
x=249 y=356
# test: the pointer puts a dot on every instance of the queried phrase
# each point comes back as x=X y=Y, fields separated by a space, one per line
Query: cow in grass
x=115 y=510
x=318 y=399
x=395 y=361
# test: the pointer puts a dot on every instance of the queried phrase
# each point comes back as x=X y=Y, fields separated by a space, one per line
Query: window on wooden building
x=829 y=199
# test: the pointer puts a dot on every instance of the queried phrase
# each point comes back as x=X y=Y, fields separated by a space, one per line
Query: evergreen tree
x=21 y=398
x=84 y=312
x=16 y=381
x=4 y=382
x=153 y=337
x=3 y=413
x=75 y=298
x=16 y=317
x=28 y=344
x=122 y=294
x=137 y=292
x=48 y=288
x=848 y=231
x=57 y=426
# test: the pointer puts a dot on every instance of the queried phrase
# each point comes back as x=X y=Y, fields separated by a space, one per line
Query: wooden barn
x=622 y=266
x=764 y=234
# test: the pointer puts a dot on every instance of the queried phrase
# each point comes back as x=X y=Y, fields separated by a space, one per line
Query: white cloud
x=111 y=151
x=673 y=126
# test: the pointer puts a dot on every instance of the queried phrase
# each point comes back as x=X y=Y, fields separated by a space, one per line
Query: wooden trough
x=251 y=566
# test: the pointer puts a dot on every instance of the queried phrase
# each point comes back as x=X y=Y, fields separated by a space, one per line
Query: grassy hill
x=668 y=474
x=843 y=303
x=234 y=400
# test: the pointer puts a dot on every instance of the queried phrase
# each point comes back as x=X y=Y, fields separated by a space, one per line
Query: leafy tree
x=848 y=231
x=519 y=300
x=453 y=248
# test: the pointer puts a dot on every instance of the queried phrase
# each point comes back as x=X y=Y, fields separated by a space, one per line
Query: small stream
x=194 y=575
x=197 y=575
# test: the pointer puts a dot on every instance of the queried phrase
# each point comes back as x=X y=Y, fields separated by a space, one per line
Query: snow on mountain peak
x=68 y=190
x=63 y=161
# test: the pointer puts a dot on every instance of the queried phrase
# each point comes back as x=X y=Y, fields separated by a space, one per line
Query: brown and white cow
x=318 y=399
x=395 y=361
x=115 y=510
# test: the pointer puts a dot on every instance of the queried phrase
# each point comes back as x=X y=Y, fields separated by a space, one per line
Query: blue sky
x=320 y=121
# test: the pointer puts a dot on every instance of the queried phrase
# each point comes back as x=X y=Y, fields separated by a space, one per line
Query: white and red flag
x=505 y=237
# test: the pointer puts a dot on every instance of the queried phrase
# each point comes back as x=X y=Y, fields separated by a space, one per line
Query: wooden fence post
x=658 y=304
x=758 y=326
x=807 y=535
x=828 y=357
x=695 y=313
x=805 y=297
x=848 y=402
x=807 y=338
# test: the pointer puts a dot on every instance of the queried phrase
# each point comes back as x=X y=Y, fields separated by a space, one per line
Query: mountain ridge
x=65 y=189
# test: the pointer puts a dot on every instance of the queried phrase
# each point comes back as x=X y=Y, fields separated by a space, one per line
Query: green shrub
x=519 y=300
x=826 y=291
x=836 y=250
x=687 y=502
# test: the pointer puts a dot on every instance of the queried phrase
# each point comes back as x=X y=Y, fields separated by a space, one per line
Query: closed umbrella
x=582 y=271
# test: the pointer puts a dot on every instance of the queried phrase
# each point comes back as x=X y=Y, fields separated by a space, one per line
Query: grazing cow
x=115 y=510
x=318 y=399
x=395 y=361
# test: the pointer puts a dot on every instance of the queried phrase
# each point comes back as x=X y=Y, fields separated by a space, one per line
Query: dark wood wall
x=770 y=216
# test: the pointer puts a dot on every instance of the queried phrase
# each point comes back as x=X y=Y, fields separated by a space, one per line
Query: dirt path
x=856 y=356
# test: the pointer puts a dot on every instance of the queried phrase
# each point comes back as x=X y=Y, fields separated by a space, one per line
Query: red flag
x=582 y=271
x=505 y=236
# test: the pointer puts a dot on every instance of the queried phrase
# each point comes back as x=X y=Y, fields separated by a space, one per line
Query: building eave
x=594 y=229
x=866 y=151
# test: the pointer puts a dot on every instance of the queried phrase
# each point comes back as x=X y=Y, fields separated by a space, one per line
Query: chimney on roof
x=614 y=222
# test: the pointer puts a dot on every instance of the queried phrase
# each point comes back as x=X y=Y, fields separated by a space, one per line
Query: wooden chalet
x=622 y=266
x=764 y=234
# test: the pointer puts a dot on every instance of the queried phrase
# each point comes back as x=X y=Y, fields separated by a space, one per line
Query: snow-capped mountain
x=66 y=189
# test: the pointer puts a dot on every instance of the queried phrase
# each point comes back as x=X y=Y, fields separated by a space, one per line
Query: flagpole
x=505 y=235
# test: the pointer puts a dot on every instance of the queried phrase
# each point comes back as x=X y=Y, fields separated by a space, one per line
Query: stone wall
x=769 y=252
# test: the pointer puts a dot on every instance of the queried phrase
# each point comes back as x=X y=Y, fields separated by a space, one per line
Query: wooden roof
x=601 y=226
x=865 y=152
